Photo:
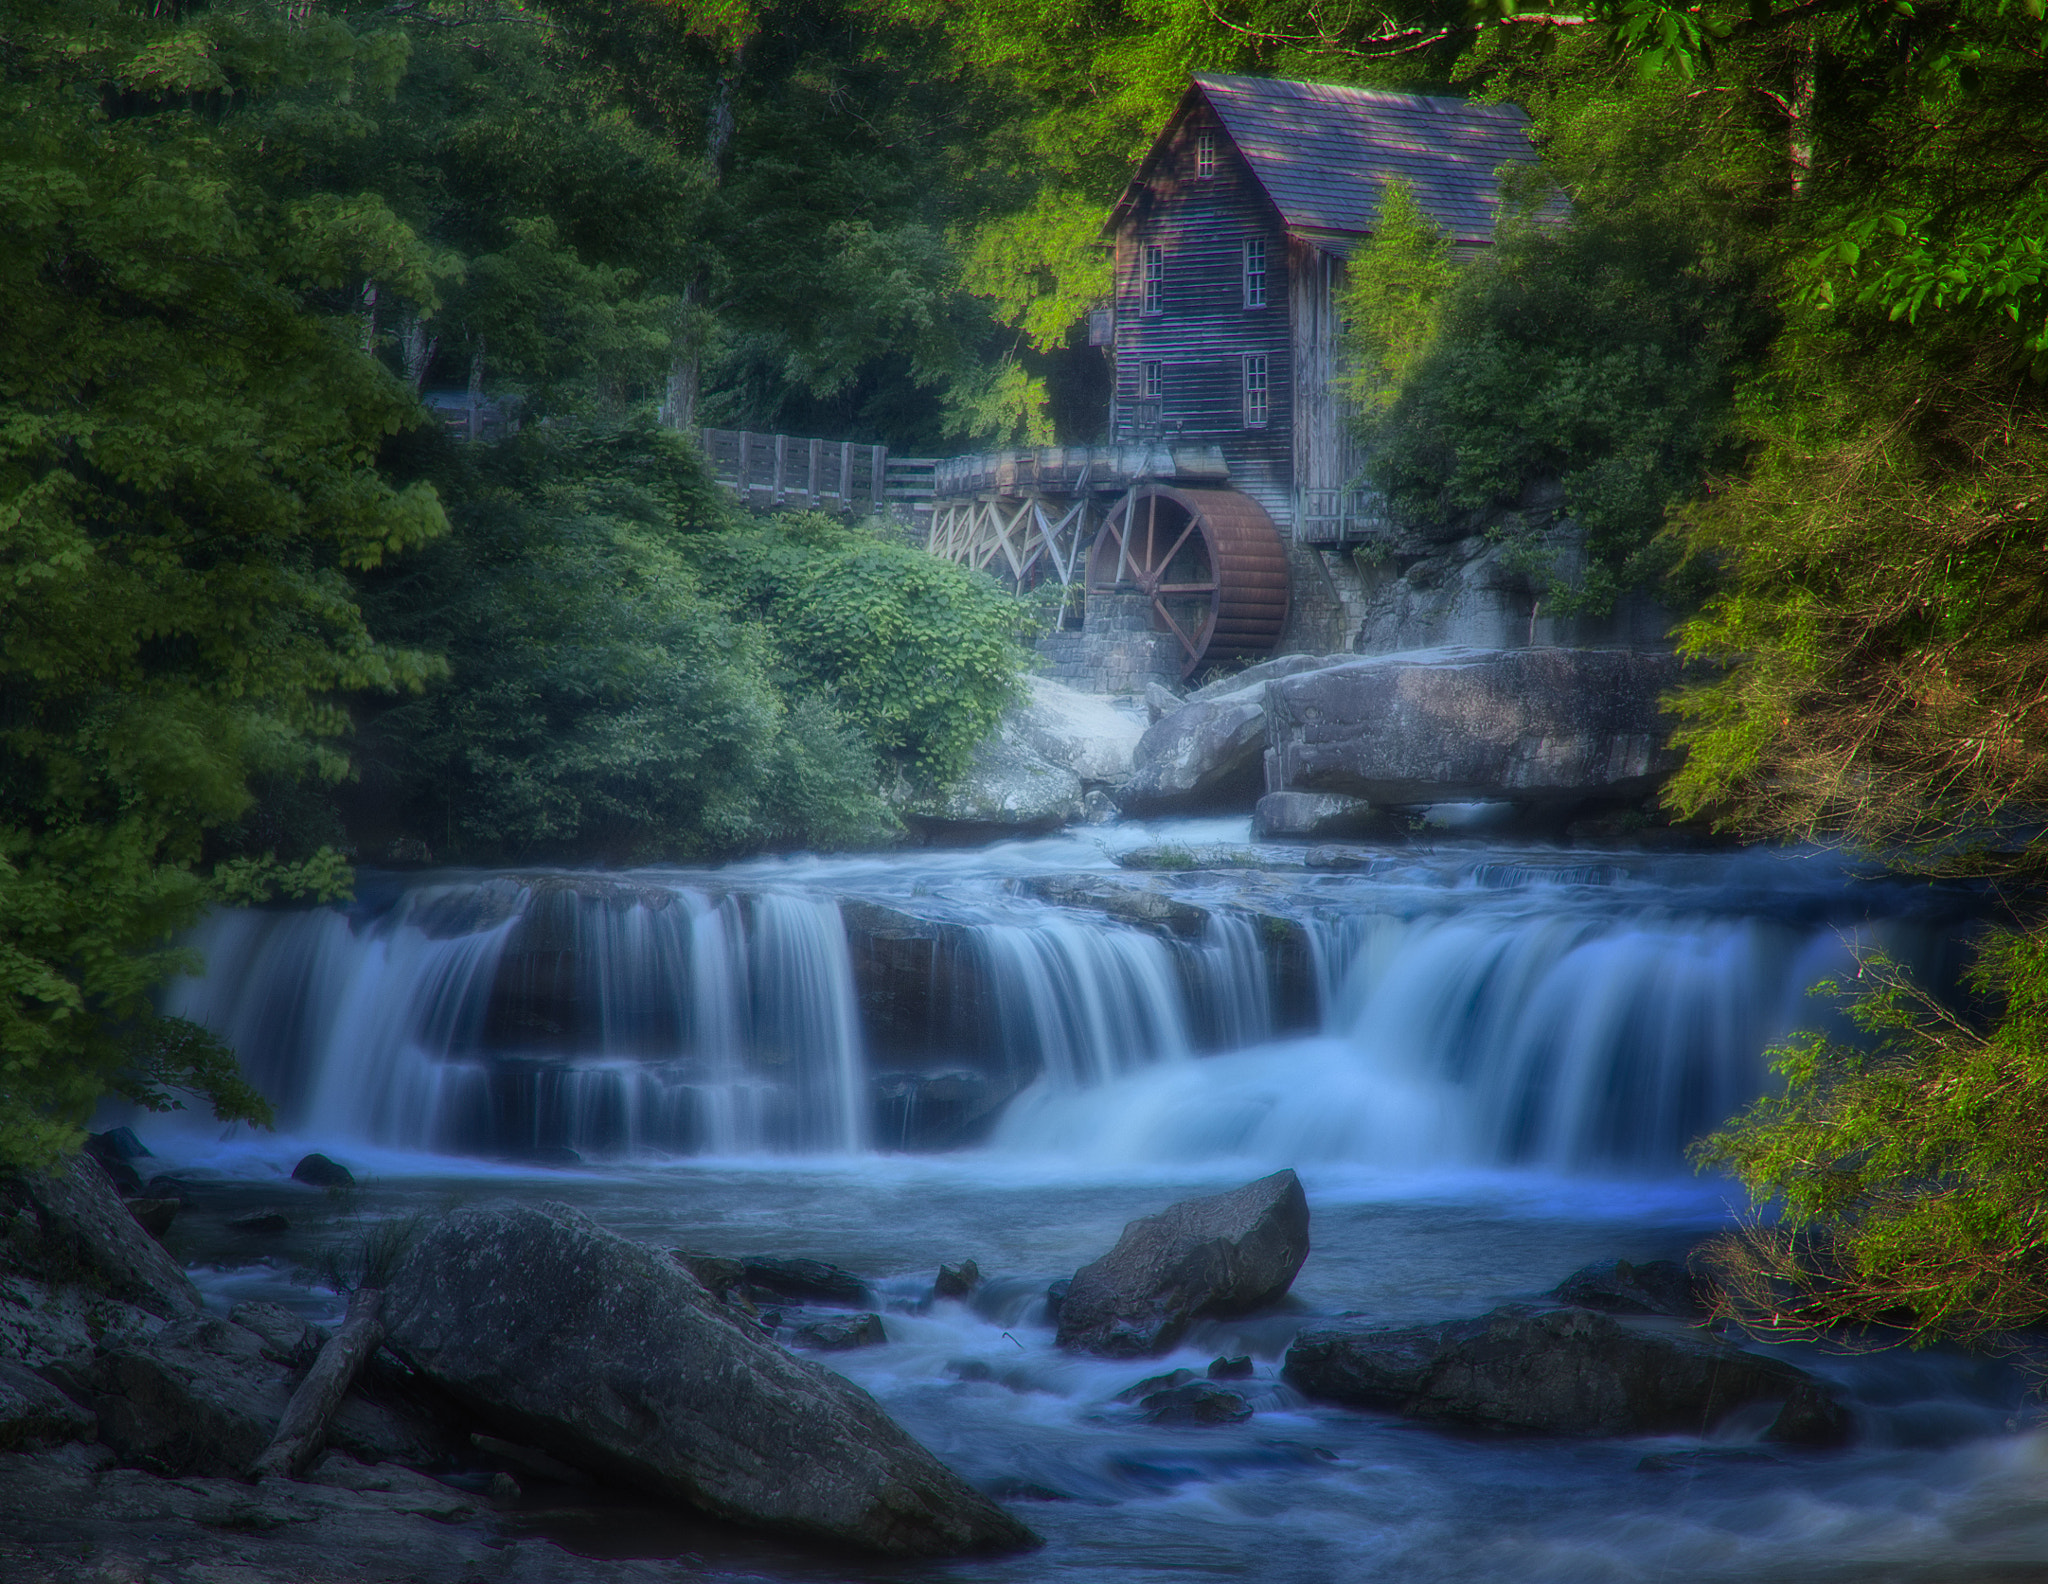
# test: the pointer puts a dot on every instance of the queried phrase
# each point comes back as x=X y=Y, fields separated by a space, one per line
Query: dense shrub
x=600 y=703
x=920 y=654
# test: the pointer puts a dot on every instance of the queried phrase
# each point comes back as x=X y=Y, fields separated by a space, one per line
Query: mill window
x=1148 y=382
x=1255 y=273
x=1155 y=278
x=1205 y=155
x=1255 y=391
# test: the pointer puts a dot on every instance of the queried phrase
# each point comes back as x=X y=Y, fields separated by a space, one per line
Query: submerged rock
x=320 y=1172
x=841 y=1336
x=557 y=1332
x=1223 y=1255
x=1655 y=1287
x=1122 y=900
x=1309 y=816
x=1154 y=1383
x=805 y=1281
x=154 y=1216
x=957 y=1281
x=1547 y=1371
x=265 y=1223
x=1239 y=1368
x=1196 y=1403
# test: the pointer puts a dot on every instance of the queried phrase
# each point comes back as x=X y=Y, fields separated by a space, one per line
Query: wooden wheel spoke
x=1185 y=588
x=1166 y=616
x=1166 y=560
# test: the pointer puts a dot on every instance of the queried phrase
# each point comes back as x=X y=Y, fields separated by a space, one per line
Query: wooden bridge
x=1154 y=522
x=790 y=472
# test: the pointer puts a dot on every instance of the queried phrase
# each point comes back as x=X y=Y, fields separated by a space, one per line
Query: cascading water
x=1479 y=1012
x=1484 y=1064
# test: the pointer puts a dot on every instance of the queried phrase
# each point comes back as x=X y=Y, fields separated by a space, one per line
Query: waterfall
x=523 y=1020
x=1084 y=1002
x=1572 y=1039
x=1512 y=1010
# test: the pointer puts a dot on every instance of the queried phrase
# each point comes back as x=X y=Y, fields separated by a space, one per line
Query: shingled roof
x=1324 y=154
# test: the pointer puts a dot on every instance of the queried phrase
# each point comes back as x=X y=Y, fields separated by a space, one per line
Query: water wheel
x=1209 y=560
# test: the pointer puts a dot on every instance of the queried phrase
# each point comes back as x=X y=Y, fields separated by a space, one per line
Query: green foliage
x=1881 y=582
x=1908 y=1171
x=921 y=655
x=1599 y=350
x=1393 y=299
x=186 y=483
x=599 y=704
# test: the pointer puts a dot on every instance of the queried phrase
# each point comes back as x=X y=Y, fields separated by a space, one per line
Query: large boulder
x=34 y=1413
x=1224 y=1255
x=1203 y=757
x=559 y=1334
x=1316 y=816
x=1554 y=1370
x=82 y=1229
x=201 y=1397
x=1085 y=732
x=1265 y=671
x=1008 y=789
x=1534 y=726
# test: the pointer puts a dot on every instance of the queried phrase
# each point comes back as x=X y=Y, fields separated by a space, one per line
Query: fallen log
x=303 y=1430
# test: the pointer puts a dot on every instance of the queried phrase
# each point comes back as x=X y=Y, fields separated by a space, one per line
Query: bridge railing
x=789 y=470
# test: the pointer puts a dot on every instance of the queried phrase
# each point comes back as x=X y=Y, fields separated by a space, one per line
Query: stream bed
x=1485 y=1062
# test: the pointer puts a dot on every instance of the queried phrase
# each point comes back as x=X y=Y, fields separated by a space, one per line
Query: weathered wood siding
x=1204 y=331
x=1323 y=458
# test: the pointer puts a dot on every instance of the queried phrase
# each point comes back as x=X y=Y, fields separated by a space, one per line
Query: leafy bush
x=600 y=704
x=920 y=654
x=1908 y=1177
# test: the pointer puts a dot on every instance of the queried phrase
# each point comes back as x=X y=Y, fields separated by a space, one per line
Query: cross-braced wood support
x=1020 y=539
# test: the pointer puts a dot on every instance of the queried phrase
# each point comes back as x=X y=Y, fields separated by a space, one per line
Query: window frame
x=1257 y=392
x=1254 y=280
x=1151 y=380
x=1205 y=156
x=1152 y=278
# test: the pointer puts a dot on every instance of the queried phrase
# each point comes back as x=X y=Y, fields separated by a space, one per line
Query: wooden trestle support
x=1021 y=540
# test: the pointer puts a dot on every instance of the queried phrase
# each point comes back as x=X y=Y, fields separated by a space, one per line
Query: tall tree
x=186 y=442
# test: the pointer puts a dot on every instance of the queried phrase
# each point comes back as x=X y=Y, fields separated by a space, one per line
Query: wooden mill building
x=1231 y=242
x=1227 y=436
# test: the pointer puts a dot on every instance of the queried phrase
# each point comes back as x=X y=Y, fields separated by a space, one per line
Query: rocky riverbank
x=134 y=1422
x=529 y=1353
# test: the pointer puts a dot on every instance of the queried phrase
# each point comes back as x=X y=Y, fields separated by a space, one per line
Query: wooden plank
x=846 y=475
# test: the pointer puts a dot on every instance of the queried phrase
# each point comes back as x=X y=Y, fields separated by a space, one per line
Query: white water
x=1463 y=1010
x=1486 y=1066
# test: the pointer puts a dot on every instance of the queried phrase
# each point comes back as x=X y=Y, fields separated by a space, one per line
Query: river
x=1485 y=1061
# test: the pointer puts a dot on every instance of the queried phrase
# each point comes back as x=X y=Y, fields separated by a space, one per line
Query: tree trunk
x=1799 y=114
x=419 y=348
x=303 y=1430
x=476 y=392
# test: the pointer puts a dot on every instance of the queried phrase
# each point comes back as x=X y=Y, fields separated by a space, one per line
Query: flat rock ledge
x=1558 y=1370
